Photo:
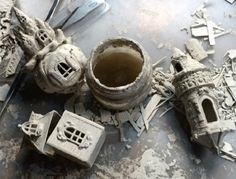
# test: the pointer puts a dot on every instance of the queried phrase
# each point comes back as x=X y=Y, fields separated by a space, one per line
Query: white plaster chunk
x=3 y=91
x=128 y=147
x=210 y=32
x=146 y=124
x=122 y=117
x=199 y=31
x=228 y=153
x=231 y=53
x=195 y=49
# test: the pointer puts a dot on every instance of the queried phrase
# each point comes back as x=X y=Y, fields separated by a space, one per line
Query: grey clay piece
x=195 y=88
x=57 y=65
x=38 y=128
x=72 y=136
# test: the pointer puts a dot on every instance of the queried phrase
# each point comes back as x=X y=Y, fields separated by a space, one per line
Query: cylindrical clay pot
x=119 y=73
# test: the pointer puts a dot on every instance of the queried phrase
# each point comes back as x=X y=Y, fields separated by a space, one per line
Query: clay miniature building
x=71 y=136
x=56 y=64
x=77 y=138
x=38 y=128
x=194 y=87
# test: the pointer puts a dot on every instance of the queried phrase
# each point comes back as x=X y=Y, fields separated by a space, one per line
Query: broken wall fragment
x=205 y=28
x=195 y=49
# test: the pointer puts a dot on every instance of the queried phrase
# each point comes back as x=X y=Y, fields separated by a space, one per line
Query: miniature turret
x=195 y=88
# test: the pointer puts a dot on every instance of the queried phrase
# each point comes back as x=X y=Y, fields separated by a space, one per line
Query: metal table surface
x=165 y=151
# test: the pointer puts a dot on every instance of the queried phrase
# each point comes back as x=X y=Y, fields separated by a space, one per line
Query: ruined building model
x=57 y=65
x=72 y=136
x=10 y=53
x=119 y=73
x=194 y=87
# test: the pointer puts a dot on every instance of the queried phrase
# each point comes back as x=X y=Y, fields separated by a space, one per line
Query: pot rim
x=140 y=50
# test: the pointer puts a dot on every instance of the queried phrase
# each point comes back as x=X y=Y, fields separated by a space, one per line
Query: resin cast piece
x=57 y=65
x=196 y=90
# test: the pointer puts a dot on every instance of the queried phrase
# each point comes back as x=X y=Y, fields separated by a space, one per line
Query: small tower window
x=30 y=129
x=209 y=110
x=43 y=37
x=64 y=69
x=178 y=67
x=73 y=135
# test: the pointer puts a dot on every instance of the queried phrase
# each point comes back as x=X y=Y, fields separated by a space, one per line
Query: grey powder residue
x=148 y=166
x=8 y=151
x=152 y=166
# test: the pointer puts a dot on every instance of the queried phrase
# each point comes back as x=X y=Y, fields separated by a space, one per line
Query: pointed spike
x=26 y=23
x=177 y=53
x=20 y=15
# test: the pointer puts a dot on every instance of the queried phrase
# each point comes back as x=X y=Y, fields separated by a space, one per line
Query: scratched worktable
x=165 y=151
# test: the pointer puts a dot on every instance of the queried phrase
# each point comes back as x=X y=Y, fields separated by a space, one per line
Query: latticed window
x=31 y=129
x=74 y=135
x=64 y=69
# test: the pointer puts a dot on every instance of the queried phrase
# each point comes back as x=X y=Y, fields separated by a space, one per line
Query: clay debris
x=139 y=117
x=205 y=28
x=195 y=49
x=225 y=81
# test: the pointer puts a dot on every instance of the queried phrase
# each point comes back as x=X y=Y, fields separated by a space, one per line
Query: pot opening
x=118 y=66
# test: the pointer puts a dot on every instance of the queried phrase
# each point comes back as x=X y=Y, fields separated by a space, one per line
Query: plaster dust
x=14 y=110
x=118 y=66
x=148 y=166
x=8 y=151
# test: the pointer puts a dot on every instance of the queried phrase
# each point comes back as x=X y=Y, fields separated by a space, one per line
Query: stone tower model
x=197 y=92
